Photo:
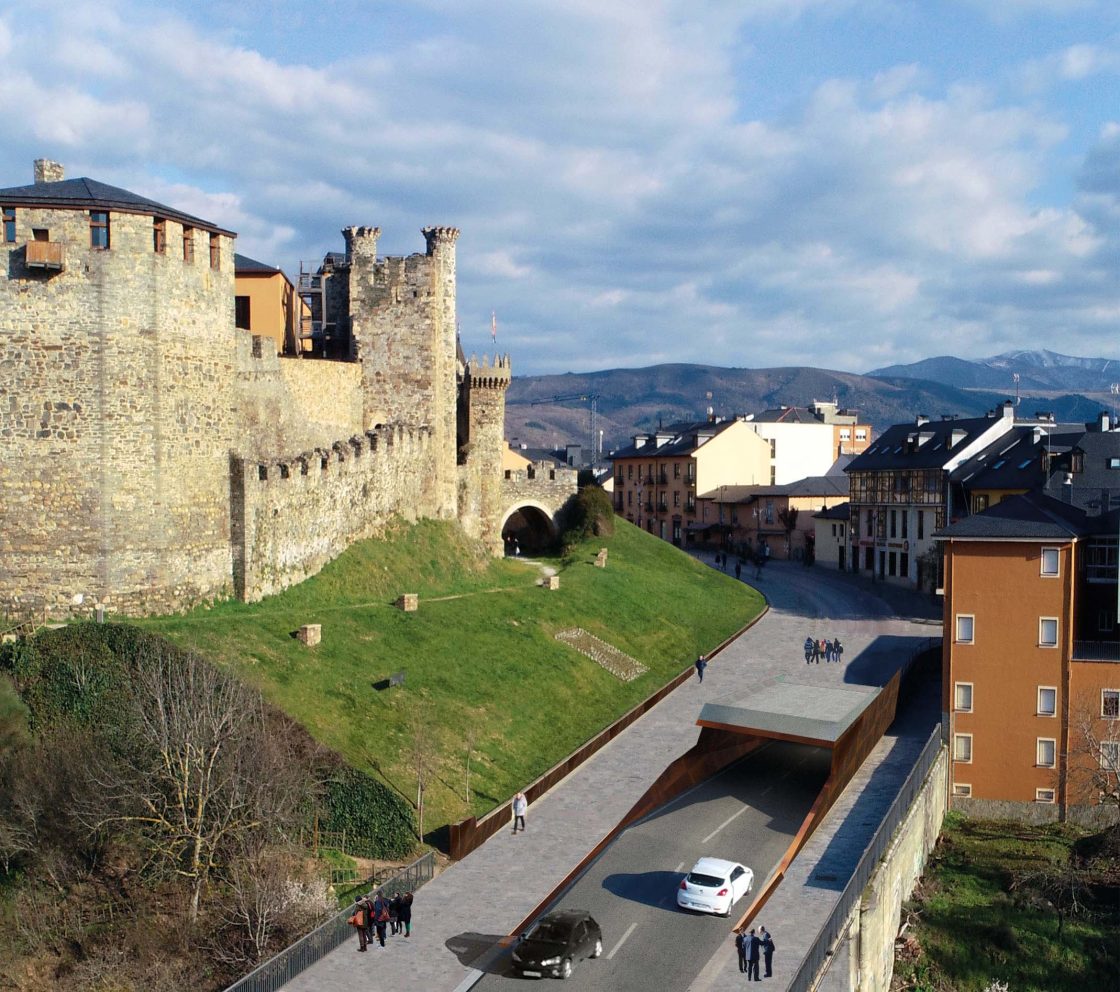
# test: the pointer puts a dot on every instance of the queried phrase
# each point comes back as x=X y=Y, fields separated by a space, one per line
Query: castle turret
x=361 y=245
x=482 y=415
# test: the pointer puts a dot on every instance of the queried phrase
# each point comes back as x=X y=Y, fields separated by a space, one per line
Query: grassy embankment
x=983 y=911
x=480 y=654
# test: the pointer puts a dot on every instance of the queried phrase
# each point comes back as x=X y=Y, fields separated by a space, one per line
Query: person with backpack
x=380 y=915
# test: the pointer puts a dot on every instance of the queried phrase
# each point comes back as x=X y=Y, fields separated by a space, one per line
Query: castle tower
x=402 y=325
x=482 y=415
x=116 y=372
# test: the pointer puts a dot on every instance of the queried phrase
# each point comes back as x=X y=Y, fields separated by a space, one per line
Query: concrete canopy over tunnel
x=528 y=528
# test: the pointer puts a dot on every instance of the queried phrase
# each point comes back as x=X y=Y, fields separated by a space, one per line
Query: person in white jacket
x=520 y=804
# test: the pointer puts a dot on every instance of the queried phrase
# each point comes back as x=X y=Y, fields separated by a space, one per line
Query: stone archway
x=528 y=528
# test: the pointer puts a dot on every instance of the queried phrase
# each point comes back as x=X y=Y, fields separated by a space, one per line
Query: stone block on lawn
x=409 y=602
x=601 y=558
x=310 y=634
x=553 y=582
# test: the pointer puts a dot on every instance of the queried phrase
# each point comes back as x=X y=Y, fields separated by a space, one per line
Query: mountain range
x=552 y=410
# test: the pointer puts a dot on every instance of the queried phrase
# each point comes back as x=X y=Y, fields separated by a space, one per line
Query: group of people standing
x=374 y=913
x=750 y=947
x=829 y=650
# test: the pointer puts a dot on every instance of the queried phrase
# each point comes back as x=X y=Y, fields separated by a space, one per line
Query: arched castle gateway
x=155 y=456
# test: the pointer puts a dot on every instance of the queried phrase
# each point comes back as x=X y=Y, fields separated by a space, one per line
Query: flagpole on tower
x=494 y=326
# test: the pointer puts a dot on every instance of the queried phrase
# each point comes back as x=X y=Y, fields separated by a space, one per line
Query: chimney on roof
x=922 y=419
x=1103 y=421
x=47 y=171
x=1008 y=410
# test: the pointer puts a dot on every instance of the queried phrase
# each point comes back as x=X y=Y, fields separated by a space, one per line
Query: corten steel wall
x=470 y=833
x=848 y=753
x=1001 y=586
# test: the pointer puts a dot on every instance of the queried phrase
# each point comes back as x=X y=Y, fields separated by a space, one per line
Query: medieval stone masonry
x=154 y=456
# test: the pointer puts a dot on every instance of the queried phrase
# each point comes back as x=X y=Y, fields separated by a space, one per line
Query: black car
x=555 y=942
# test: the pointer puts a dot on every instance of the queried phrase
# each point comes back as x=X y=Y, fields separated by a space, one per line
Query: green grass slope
x=484 y=672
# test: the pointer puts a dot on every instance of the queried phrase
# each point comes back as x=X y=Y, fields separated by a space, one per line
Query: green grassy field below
x=977 y=918
x=480 y=656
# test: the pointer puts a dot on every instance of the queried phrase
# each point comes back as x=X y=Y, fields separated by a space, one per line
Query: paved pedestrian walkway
x=458 y=917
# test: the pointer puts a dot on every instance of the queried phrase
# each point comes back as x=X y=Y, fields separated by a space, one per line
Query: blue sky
x=841 y=183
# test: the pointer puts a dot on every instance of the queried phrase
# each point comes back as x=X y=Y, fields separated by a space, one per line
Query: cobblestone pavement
x=459 y=916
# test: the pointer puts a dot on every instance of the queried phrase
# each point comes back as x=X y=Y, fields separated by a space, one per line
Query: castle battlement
x=483 y=375
x=341 y=456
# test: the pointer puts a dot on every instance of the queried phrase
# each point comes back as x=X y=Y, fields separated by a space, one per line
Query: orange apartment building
x=1031 y=674
x=658 y=476
x=266 y=303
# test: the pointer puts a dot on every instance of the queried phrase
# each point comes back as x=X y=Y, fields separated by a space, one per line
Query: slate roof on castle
x=89 y=194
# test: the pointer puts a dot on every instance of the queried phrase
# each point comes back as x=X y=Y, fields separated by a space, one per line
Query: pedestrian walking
x=520 y=805
x=360 y=922
x=838 y=650
x=738 y=569
x=395 y=914
x=701 y=664
x=827 y=652
x=808 y=650
x=741 y=949
x=767 y=951
x=380 y=916
x=406 y=913
x=815 y=652
x=754 y=945
x=823 y=651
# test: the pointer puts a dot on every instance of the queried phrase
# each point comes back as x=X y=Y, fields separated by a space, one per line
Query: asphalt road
x=747 y=813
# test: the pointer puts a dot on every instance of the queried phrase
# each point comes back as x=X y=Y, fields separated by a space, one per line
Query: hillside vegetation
x=486 y=683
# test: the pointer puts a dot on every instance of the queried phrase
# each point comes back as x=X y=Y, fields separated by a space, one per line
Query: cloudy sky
x=841 y=183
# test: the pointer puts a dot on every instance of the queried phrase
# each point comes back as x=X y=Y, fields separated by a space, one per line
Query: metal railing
x=826 y=938
x=281 y=969
x=1096 y=650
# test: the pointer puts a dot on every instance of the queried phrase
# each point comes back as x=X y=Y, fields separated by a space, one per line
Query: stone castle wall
x=116 y=400
x=291 y=517
x=482 y=440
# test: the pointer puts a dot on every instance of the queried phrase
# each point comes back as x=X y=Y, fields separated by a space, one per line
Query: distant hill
x=637 y=399
x=1040 y=370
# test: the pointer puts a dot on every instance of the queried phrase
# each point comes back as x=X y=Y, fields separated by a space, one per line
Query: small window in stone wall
x=159 y=235
x=40 y=234
x=215 y=251
x=242 y=313
x=262 y=473
x=323 y=464
x=99 y=230
x=9 y=214
x=188 y=245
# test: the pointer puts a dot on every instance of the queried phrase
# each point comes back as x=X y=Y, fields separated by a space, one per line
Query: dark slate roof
x=541 y=455
x=684 y=439
x=89 y=194
x=244 y=265
x=842 y=511
x=899 y=447
x=1018 y=459
x=813 y=485
x=787 y=415
x=1038 y=516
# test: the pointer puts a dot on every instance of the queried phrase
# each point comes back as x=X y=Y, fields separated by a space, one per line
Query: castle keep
x=154 y=456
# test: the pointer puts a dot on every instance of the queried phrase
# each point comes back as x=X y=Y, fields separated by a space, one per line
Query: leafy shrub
x=589 y=515
x=378 y=823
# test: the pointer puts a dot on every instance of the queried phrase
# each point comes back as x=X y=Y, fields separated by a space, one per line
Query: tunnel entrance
x=528 y=530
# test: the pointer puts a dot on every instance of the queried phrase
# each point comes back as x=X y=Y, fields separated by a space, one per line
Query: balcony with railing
x=1096 y=651
x=44 y=255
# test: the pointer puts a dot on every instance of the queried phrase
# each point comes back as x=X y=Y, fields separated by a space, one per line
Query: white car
x=714 y=886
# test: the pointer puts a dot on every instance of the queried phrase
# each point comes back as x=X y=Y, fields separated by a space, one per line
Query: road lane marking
x=724 y=824
x=629 y=930
x=679 y=867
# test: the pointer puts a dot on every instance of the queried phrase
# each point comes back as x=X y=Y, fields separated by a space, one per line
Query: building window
x=1045 y=752
x=159 y=235
x=241 y=306
x=965 y=628
x=629 y=471
x=921 y=524
x=676 y=497
x=99 y=229
x=962 y=697
x=962 y=747
x=1048 y=632
x=769 y=518
x=1050 y=561
x=962 y=789
x=9 y=214
x=1043 y=795
x=1110 y=704
x=188 y=245
x=861 y=434
x=870 y=523
x=894 y=525
x=1110 y=755
x=676 y=470
x=215 y=251
x=1047 y=700
x=773 y=447
x=905 y=524
x=834 y=530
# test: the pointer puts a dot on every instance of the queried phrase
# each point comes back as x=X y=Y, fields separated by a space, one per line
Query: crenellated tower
x=482 y=414
x=402 y=328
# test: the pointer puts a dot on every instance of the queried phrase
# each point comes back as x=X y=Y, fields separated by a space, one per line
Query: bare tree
x=472 y=733
x=788 y=519
x=421 y=753
x=1094 y=751
x=202 y=773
